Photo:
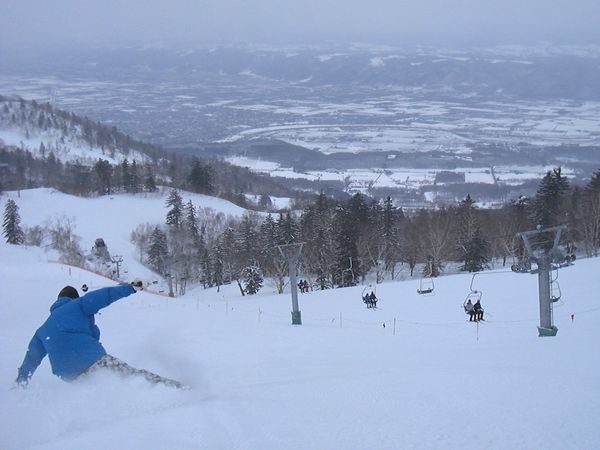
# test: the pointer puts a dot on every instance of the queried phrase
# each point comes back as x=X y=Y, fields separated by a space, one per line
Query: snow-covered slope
x=113 y=217
x=411 y=374
x=43 y=129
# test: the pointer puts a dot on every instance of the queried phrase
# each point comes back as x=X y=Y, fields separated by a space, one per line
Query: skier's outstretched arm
x=94 y=301
x=34 y=356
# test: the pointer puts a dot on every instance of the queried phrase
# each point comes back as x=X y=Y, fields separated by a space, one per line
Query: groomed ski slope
x=431 y=381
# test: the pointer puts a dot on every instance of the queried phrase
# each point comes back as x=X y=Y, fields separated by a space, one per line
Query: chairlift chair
x=474 y=296
x=521 y=265
x=369 y=288
x=426 y=286
x=555 y=292
x=366 y=292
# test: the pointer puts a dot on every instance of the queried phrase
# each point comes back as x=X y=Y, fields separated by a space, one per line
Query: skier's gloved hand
x=137 y=284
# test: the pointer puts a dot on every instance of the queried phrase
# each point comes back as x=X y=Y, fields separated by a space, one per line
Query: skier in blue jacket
x=71 y=338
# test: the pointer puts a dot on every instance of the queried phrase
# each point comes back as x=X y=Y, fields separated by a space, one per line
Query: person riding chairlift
x=478 y=311
x=469 y=310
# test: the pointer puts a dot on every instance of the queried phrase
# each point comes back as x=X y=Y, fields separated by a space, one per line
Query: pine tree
x=103 y=174
x=247 y=238
x=550 y=203
x=192 y=245
x=287 y=230
x=389 y=232
x=587 y=216
x=265 y=201
x=135 y=183
x=191 y=222
x=149 y=181
x=229 y=259
x=217 y=265
x=53 y=169
x=11 y=227
x=473 y=249
x=266 y=244
x=125 y=176
x=200 y=178
x=204 y=262
x=351 y=219
x=316 y=230
x=175 y=215
x=158 y=251
x=253 y=279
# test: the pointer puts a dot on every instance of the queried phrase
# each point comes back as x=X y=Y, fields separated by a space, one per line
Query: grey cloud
x=34 y=23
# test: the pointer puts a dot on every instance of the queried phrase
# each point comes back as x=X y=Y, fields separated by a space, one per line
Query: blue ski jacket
x=70 y=336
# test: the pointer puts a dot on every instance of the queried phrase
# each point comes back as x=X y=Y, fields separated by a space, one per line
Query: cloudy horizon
x=33 y=25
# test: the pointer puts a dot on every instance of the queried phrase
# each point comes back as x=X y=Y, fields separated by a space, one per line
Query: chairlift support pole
x=291 y=254
x=544 y=266
x=117 y=260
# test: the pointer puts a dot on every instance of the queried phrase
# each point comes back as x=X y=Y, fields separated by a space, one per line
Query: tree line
x=345 y=240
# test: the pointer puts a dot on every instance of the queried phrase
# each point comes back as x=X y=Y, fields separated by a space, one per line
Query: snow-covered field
x=363 y=179
x=425 y=126
x=411 y=374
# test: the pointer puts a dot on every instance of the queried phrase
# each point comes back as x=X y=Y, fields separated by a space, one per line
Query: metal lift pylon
x=544 y=259
x=290 y=253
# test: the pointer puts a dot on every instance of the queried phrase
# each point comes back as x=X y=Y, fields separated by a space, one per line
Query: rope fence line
x=340 y=321
x=261 y=311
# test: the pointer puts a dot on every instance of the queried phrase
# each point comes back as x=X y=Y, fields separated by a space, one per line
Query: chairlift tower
x=117 y=260
x=290 y=253
x=544 y=259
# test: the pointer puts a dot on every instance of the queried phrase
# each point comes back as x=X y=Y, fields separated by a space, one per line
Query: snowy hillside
x=112 y=218
x=411 y=374
x=43 y=129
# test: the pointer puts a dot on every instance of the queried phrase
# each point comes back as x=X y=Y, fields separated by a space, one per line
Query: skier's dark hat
x=68 y=291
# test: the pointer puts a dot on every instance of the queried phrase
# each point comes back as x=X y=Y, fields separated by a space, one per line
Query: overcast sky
x=35 y=23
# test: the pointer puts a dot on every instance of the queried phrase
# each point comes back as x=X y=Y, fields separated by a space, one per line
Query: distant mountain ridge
x=542 y=72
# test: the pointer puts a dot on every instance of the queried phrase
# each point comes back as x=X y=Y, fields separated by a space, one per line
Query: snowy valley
x=377 y=120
